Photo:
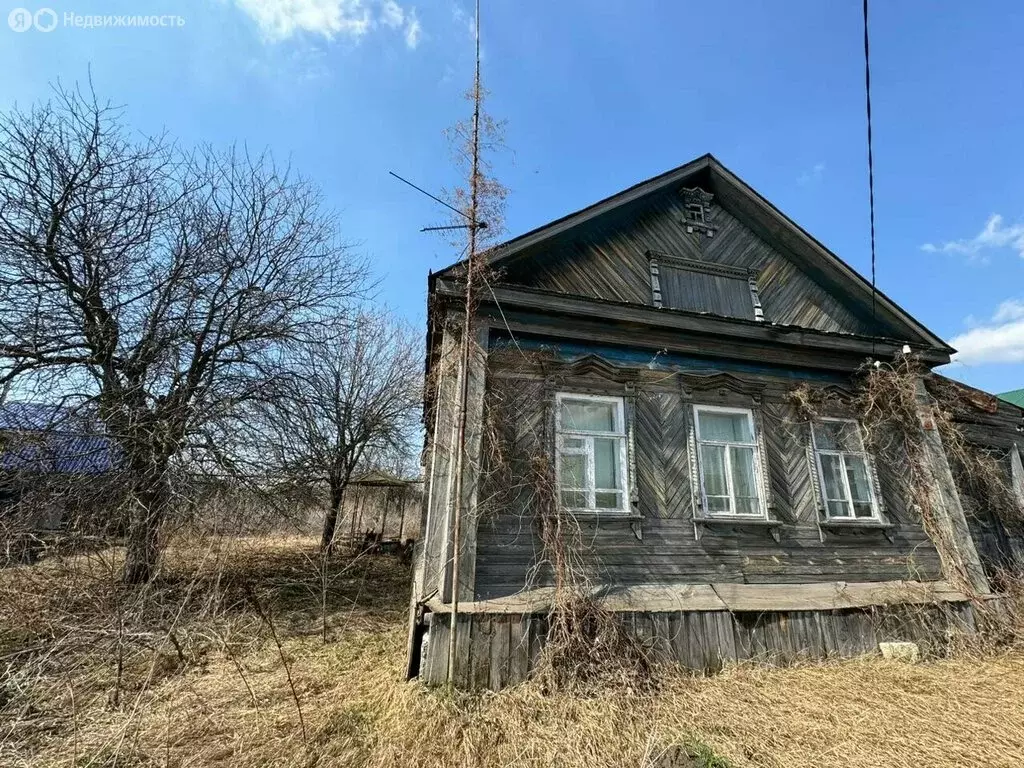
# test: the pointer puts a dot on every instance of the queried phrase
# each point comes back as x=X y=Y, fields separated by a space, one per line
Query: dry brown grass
x=231 y=703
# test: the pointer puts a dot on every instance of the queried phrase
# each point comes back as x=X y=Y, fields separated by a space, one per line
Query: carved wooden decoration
x=697 y=205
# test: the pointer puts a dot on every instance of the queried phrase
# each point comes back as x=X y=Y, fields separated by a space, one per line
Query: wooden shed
x=633 y=374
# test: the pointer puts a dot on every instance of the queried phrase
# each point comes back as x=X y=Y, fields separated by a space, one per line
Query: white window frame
x=621 y=435
x=868 y=470
x=762 y=506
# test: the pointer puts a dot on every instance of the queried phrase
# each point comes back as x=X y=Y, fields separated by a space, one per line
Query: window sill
x=737 y=521
x=836 y=525
x=608 y=514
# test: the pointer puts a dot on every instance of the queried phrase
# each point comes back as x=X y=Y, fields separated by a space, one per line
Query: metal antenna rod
x=432 y=197
x=460 y=446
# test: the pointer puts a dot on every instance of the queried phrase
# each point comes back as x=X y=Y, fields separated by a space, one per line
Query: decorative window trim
x=697 y=211
x=623 y=437
x=825 y=517
x=702 y=512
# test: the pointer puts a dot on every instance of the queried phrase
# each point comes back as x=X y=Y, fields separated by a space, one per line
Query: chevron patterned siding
x=609 y=262
x=663 y=472
x=662 y=547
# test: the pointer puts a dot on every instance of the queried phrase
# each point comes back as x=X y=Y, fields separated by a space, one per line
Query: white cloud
x=812 y=175
x=993 y=236
x=391 y=13
x=1001 y=340
x=281 y=19
x=352 y=19
x=465 y=20
x=413 y=31
x=1011 y=309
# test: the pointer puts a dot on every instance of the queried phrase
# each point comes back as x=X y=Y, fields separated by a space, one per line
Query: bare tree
x=354 y=403
x=160 y=288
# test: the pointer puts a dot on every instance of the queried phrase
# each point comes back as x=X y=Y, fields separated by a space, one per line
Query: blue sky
x=599 y=95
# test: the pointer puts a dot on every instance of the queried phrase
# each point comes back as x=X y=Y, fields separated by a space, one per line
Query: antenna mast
x=471 y=269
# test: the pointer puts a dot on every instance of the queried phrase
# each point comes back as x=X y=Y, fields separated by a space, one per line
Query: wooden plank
x=481 y=629
x=500 y=655
x=677 y=637
x=538 y=637
x=460 y=675
x=519 y=649
x=435 y=670
x=661 y=637
x=471 y=464
x=725 y=636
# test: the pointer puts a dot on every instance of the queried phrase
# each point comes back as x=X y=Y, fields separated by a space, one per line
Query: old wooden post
x=959 y=556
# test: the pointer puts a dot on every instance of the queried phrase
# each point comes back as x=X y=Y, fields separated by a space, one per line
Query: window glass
x=728 y=462
x=574 y=470
x=831 y=468
x=837 y=436
x=743 y=483
x=725 y=427
x=606 y=462
x=843 y=469
x=591 y=465
x=714 y=470
x=582 y=415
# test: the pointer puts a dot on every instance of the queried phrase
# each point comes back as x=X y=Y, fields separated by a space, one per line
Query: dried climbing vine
x=586 y=644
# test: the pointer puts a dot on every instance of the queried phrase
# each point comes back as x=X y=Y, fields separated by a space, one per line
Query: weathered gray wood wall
x=661 y=546
x=608 y=261
x=497 y=650
x=996 y=428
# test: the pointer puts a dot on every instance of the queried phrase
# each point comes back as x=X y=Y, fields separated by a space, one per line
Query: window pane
x=574 y=499
x=573 y=471
x=606 y=462
x=607 y=500
x=572 y=442
x=831 y=470
x=862 y=509
x=837 y=436
x=748 y=507
x=725 y=427
x=712 y=462
x=588 y=416
x=718 y=504
x=838 y=509
x=744 y=484
x=857 y=475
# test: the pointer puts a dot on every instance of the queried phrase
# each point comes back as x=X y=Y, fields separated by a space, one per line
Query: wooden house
x=633 y=367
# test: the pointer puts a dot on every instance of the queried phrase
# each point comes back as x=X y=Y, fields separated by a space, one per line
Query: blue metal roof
x=53 y=439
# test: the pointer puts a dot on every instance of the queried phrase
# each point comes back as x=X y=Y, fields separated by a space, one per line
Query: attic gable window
x=695 y=213
x=701 y=286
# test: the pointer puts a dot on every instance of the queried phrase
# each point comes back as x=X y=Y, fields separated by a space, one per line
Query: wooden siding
x=609 y=262
x=718 y=294
x=662 y=546
x=494 y=651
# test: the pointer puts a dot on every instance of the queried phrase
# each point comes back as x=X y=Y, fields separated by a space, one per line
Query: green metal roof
x=1015 y=396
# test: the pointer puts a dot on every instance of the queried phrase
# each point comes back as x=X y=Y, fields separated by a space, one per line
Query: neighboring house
x=651 y=344
x=1014 y=397
x=46 y=452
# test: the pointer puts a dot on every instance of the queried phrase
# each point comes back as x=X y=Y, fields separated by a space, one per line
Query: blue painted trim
x=655 y=360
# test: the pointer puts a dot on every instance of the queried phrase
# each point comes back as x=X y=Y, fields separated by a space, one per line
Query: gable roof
x=756 y=212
